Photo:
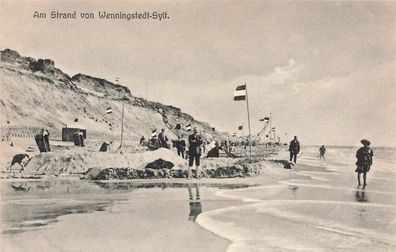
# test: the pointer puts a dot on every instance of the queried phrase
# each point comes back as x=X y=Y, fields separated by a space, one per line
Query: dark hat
x=365 y=142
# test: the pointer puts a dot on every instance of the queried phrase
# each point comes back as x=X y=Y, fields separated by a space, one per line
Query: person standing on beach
x=194 y=152
x=322 y=151
x=181 y=146
x=163 y=139
x=364 y=161
x=294 y=149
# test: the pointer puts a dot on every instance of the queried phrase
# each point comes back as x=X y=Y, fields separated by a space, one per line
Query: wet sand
x=318 y=208
x=73 y=215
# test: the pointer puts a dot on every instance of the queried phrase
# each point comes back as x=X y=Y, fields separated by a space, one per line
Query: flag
x=154 y=133
x=117 y=79
x=264 y=119
x=109 y=111
x=234 y=134
x=188 y=127
x=213 y=129
x=240 y=93
x=240 y=127
x=178 y=126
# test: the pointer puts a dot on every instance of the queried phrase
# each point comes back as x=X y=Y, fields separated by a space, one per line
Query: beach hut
x=69 y=130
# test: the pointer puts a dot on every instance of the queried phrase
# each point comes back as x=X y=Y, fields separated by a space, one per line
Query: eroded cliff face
x=34 y=93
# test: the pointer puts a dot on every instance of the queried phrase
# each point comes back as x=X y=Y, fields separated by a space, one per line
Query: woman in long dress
x=364 y=160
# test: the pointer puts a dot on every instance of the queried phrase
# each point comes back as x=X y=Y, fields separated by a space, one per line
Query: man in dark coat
x=294 y=149
x=181 y=147
x=194 y=152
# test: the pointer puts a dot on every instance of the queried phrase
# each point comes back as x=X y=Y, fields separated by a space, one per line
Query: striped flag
x=240 y=127
x=265 y=119
x=240 y=93
x=109 y=111
x=234 y=134
x=188 y=127
x=154 y=133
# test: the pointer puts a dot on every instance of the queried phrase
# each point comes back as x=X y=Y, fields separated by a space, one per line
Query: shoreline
x=235 y=213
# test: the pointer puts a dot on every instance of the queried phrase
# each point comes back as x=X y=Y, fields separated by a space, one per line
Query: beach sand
x=316 y=206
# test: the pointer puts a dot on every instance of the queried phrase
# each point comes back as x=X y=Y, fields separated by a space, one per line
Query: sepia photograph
x=196 y=126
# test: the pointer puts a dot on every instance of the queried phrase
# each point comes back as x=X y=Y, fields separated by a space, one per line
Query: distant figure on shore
x=181 y=146
x=294 y=149
x=364 y=160
x=194 y=152
x=195 y=205
x=163 y=139
x=322 y=151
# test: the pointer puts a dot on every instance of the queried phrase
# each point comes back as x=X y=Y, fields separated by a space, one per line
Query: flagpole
x=270 y=131
x=247 y=106
x=122 y=127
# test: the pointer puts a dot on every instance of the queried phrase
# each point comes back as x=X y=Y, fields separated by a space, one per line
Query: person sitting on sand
x=153 y=144
x=294 y=149
x=322 y=151
x=364 y=160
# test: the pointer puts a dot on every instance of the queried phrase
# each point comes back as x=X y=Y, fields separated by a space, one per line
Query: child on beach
x=364 y=160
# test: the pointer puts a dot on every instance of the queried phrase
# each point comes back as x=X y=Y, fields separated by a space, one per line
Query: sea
x=315 y=206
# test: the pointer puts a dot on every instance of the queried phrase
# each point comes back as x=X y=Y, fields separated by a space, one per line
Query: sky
x=324 y=70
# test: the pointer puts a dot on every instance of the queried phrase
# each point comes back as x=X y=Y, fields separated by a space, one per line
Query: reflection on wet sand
x=361 y=196
x=28 y=205
x=195 y=204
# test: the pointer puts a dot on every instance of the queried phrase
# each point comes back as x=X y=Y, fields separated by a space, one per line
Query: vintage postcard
x=197 y=125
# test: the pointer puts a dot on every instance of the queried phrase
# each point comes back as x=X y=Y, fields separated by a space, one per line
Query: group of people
x=78 y=139
x=157 y=141
x=196 y=145
x=364 y=156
